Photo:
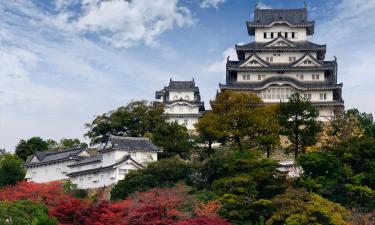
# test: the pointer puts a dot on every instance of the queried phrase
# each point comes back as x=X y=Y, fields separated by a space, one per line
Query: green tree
x=135 y=120
x=239 y=180
x=366 y=121
x=296 y=206
x=29 y=147
x=66 y=143
x=173 y=138
x=267 y=128
x=298 y=122
x=23 y=213
x=343 y=127
x=234 y=116
x=344 y=174
x=208 y=129
x=11 y=170
x=163 y=173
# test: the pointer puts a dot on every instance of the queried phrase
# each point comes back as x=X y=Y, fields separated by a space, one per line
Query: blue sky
x=65 y=61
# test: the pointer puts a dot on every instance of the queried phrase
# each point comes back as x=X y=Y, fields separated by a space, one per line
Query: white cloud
x=124 y=23
x=262 y=5
x=219 y=65
x=211 y=3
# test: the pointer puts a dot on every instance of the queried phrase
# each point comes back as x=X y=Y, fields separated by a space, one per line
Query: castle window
x=307 y=96
x=315 y=76
x=243 y=77
x=269 y=59
x=265 y=35
x=279 y=34
x=271 y=35
x=261 y=76
x=300 y=76
x=286 y=34
x=248 y=76
x=186 y=97
x=292 y=59
x=293 y=34
x=323 y=96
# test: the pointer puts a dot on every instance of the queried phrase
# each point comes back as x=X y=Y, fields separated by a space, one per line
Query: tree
x=135 y=120
x=163 y=173
x=23 y=213
x=11 y=170
x=66 y=143
x=267 y=127
x=234 y=116
x=157 y=206
x=50 y=194
x=238 y=180
x=204 y=221
x=173 y=138
x=208 y=129
x=297 y=118
x=296 y=206
x=341 y=128
x=366 y=121
x=29 y=147
x=344 y=174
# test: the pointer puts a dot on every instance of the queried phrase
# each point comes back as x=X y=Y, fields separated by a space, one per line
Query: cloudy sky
x=65 y=61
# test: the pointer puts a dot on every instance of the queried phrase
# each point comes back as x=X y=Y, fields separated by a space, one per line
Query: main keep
x=281 y=61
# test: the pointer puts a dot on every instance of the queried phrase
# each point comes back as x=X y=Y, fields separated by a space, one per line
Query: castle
x=279 y=62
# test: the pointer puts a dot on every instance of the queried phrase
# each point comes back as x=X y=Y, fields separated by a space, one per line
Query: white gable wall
x=48 y=172
x=186 y=95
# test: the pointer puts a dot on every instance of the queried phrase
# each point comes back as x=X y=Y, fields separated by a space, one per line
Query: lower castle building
x=87 y=171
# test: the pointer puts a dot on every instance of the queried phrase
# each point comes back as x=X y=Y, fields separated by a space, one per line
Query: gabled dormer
x=307 y=61
x=254 y=61
x=280 y=42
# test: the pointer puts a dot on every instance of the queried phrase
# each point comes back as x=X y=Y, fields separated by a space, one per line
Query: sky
x=65 y=61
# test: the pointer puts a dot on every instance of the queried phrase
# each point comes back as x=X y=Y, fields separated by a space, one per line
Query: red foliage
x=50 y=194
x=204 y=221
x=68 y=211
x=209 y=209
x=153 y=207
x=156 y=206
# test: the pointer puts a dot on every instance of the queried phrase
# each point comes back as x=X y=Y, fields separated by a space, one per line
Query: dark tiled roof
x=131 y=144
x=88 y=160
x=294 y=17
x=235 y=66
x=98 y=169
x=181 y=84
x=302 y=46
x=52 y=156
x=2 y=151
x=281 y=80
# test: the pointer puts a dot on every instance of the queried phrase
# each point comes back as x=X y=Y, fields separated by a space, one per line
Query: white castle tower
x=282 y=61
x=182 y=102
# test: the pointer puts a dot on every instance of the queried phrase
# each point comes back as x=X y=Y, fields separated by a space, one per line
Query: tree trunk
x=268 y=151
x=238 y=140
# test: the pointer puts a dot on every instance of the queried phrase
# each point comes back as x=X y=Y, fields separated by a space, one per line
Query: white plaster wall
x=190 y=121
x=181 y=94
x=315 y=96
x=181 y=109
x=326 y=114
x=111 y=157
x=259 y=37
x=144 y=157
x=307 y=76
x=48 y=172
x=102 y=178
